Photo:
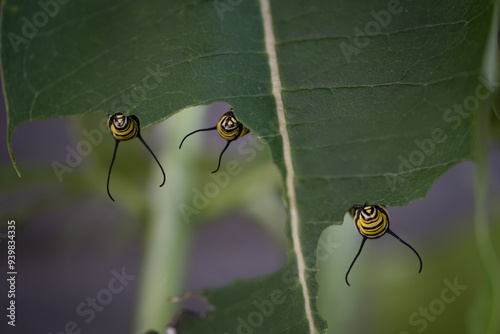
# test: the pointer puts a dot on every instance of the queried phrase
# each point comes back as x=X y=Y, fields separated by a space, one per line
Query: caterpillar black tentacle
x=355 y=258
x=199 y=130
x=124 y=128
x=111 y=166
x=220 y=156
x=228 y=128
x=154 y=156
x=409 y=246
x=372 y=221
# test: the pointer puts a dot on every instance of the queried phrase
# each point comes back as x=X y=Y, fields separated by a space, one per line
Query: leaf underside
x=370 y=118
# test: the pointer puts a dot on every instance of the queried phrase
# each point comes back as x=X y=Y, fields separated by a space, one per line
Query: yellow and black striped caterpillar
x=125 y=128
x=372 y=221
x=228 y=128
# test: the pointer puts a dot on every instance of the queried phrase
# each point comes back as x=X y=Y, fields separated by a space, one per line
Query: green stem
x=482 y=230
x=165 y=249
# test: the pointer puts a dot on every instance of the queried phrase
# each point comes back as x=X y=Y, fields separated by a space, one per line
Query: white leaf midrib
x=287 y=153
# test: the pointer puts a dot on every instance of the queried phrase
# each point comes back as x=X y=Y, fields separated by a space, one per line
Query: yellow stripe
x=374 y=224
x=229 y=128
x=126 y=132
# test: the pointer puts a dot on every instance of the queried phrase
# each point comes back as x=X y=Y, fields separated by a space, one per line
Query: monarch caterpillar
x=372 y=221
x=228 y=128
x=125 y=128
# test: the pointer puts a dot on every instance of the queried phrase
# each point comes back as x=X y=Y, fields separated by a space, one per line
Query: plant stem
x=482 y=230
x=167 y=239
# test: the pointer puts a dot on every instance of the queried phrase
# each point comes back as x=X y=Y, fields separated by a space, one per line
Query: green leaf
x=372 y=100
